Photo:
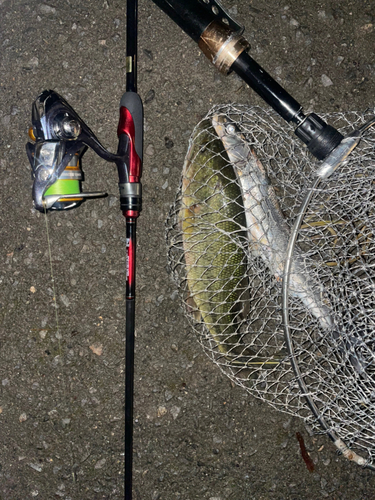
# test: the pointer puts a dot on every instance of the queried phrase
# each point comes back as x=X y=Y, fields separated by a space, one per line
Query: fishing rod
x=220 y=39
x=131 y=126
x=58 y=140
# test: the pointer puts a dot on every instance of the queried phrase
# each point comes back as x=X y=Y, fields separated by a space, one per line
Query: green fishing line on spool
x=69 y=181
x=64 y=186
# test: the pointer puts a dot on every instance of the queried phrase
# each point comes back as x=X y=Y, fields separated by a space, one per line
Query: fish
x=268 y=232
x=213 y=224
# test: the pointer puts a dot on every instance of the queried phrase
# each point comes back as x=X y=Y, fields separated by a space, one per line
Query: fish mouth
x=226 y=129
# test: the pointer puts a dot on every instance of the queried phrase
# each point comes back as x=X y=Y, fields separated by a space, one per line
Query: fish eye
x=230 y=128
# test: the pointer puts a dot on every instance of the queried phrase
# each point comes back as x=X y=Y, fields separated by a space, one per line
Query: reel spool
x=69 y=183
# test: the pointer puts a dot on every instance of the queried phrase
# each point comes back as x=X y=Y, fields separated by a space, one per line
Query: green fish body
x=213 y=224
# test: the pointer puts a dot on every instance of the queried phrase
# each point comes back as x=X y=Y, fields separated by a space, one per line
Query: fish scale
x=213 y=223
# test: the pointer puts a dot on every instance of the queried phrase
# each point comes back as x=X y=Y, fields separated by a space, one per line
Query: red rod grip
x=126 y=126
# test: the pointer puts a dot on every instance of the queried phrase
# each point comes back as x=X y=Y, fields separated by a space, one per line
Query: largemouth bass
x=214 y=237
x=268 y=233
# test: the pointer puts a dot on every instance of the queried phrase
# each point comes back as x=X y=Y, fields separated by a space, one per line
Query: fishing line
x=58 y=334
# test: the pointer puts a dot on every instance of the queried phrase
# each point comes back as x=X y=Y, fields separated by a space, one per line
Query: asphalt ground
x=62 y=388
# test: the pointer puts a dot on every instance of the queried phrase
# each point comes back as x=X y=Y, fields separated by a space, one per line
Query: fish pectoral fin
x=241 y=307
x=192 y=308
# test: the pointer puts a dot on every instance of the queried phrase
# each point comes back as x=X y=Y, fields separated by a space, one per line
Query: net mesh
x=243 y=181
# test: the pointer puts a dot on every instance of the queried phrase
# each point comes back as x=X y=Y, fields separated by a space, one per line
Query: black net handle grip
x=228 y=51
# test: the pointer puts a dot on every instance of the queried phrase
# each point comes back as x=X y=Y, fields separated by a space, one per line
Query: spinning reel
x=59 y=140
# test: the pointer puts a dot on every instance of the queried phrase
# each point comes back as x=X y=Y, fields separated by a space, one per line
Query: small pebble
x=287 y=423
x=165 y=185
x=148 y=53
x=175 y=411
x=65 y=300
x=97 y=349
x=150 y=96
x=23 y=417
x=36 y=467
x=162 y=411
x=168 y=395
x=56 y=360
x=6 y=119
x=111 y=200
x=5 y=381
x=284 y=444
x=100 y=463
x=326 y=81
x=47 y=9
x=32 y=63
x=150 y=150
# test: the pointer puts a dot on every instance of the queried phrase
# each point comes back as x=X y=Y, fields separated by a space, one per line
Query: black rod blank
x=131 y=45
x=129 y=360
